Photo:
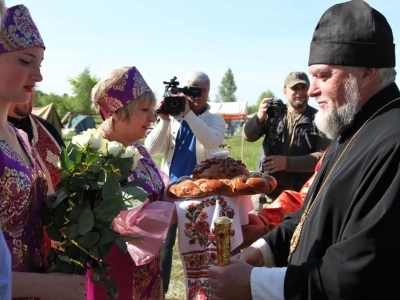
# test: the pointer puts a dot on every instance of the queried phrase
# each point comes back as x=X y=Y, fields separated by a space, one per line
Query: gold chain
x=297 y=233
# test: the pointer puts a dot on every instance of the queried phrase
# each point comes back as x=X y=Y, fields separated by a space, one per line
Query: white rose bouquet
x=93 y=190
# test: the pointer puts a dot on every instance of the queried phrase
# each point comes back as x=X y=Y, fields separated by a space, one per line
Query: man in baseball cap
x=295 y=78
x=292 y=146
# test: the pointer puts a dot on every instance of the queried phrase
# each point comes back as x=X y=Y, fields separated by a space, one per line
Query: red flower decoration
x=202 y=227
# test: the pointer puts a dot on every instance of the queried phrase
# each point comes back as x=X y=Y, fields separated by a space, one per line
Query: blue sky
x=261 y=41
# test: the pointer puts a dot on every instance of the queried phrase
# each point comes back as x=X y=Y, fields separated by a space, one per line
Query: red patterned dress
x=287 y=202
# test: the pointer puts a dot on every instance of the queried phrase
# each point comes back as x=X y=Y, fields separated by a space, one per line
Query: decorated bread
x=219 y=168
x=226 y=177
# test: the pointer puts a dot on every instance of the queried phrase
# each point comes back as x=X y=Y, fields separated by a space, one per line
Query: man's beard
x=333 y=121
x=298 y=104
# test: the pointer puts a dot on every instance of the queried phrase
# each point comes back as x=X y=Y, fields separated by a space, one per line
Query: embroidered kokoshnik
x=297 y=233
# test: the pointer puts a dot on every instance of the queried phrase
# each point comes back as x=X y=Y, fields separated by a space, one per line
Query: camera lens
x=272 y=112
x=174 y=103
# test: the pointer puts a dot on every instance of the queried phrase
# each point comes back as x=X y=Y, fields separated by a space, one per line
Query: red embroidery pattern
x=49 y=151
x=198 y=229
x=199 y=290
x=200 y=260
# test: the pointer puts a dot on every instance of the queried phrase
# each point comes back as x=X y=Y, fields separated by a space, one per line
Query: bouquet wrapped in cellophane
x=93 y=190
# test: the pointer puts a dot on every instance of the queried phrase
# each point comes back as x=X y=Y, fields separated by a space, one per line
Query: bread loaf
x=219 y=168
x=253 y=183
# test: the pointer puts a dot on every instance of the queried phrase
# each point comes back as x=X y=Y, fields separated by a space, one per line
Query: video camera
x=174 y=105
x=276 y=109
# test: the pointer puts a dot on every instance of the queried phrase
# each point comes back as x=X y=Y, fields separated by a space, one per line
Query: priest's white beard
x=332 y=122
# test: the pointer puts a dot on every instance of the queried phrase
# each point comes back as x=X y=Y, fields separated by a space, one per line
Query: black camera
x=174 y=105
x=276 y=109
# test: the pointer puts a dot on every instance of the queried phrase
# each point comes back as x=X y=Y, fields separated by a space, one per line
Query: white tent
x=230 y=110
x=50 y=114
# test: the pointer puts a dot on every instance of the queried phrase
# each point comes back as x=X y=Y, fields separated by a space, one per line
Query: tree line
x=79 y=102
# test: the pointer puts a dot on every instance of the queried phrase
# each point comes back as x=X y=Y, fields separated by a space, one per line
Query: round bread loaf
x=219 y=168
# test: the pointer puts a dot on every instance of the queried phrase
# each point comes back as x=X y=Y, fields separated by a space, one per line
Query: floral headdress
x=127 y=88
x=18 y=31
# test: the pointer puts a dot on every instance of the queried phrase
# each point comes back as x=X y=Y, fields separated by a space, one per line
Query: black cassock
x=348 y=248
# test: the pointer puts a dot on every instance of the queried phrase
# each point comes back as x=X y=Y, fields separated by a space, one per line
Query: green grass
x=248 y=153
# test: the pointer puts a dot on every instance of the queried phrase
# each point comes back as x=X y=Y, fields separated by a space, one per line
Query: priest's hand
x=252 y=256
x=231 y=281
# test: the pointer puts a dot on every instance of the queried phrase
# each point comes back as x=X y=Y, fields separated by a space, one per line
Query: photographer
x=292 y=144
x=184 y=140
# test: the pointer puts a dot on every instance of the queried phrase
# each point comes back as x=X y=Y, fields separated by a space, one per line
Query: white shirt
x=267 y=282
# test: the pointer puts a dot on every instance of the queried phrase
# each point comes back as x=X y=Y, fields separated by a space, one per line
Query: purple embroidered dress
x=22 y=190
x=138 y=276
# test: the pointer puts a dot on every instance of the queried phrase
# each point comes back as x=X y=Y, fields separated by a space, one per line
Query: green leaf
x=86 y=221
x=94 y=185
x=125 y=166
x=108 y=236
x=110 y=188
x=65 y=183
x=50 y=199
x=79 y=184
x=46 y=216
x=58 y=216
x=88 y=240
x=94 y=168
x=64 y=264
x=64 y=230
x=78 y=157
x=95 y=251
x=66 y=164
x=136 y=182
x=94 y=162
x=93 y=158
x=106 y=211
x=105 y=249
x=121 y=244
x=73 y=231
x=112 y=161
x=131 y=203
x=133 y=196
x=61 y=196
x=76 y=211
x=111 y=287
